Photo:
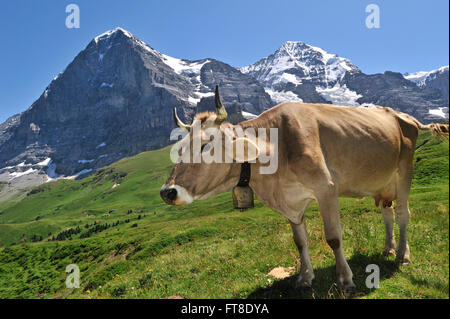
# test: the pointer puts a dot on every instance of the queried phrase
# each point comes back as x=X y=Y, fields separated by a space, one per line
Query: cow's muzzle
x=169 y=195
x=175 y=195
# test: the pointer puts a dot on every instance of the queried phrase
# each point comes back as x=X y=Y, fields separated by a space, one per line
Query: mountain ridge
x=437 y=78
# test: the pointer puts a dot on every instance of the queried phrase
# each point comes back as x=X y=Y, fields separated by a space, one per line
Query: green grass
x=207 y=249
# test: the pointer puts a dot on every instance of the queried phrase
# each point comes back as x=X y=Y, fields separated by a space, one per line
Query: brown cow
x=324 y=152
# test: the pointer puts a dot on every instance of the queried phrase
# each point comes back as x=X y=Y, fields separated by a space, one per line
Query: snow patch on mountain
x=421 y=77
x=417 y=77
x=18 y=174
x=248 y=115
x=339 y=95
x=283 y=96
x=183 y=66
x=109 y=33
x=80 y=173
x=289 y=78
x=190 y=69
x=439 y=112
x=44 y=162
x=104 y=84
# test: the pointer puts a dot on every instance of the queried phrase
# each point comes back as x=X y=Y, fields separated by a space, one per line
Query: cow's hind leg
x=301 y=240
x=402 y=208
x=402 y=217
x=329 y=209
x=388 y=214
x=405 y=175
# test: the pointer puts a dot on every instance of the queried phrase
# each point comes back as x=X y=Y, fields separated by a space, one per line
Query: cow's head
x=193 y=180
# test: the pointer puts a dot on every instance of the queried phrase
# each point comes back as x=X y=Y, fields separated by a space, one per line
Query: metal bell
x=242 y=197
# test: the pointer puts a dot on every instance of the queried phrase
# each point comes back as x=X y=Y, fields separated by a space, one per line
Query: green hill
x=129 y=244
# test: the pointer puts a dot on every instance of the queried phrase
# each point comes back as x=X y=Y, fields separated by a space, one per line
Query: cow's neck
x=269 y=188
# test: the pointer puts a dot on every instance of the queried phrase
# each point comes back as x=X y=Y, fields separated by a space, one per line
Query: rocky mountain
x=437 y=79
x=301 y=72
x=393 y=90
x=115 y=99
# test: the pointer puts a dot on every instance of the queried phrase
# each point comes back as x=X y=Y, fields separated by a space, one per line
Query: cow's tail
x=437 y=129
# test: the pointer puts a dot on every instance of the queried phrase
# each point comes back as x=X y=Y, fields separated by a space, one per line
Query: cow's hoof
x=403 y=261
x=350 y=290
x=303 y=283
x=347 y=289
x=303 y=290
x=389 y=252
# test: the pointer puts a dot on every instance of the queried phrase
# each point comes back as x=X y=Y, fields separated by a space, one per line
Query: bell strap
x=244 y=178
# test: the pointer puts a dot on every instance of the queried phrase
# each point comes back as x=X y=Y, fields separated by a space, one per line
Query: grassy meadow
x=129 y=244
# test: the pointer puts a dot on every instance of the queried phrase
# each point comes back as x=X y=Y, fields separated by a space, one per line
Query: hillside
x=129 y=244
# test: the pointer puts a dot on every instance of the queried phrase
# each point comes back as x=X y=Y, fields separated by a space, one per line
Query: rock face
x=243 y=94
x=115 y=100
x=392 y=89
x=437 y=79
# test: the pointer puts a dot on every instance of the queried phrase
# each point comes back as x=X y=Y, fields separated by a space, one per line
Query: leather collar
x=244 y=178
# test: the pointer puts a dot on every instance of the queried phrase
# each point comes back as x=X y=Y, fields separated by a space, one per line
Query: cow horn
x=179 y=123
x=220 y=109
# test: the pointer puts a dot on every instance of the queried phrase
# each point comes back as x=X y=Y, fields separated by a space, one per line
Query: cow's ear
x=245 y=150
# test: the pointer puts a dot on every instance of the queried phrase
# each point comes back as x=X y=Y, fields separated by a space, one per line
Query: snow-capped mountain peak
x=421 y=77
x=301 y=51
x=296 y=64
x=114 y=37
x=108 y=34
x=188 y=71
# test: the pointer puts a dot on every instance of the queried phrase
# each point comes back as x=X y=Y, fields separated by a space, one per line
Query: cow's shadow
x=324 y=283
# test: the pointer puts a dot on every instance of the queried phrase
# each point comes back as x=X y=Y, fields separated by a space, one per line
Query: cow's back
x=360 y=146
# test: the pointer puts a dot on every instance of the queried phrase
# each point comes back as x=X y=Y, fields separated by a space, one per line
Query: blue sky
x=36 y=45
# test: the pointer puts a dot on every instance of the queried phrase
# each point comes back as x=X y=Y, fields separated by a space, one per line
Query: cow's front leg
x=306 y=276
x=329 y=209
